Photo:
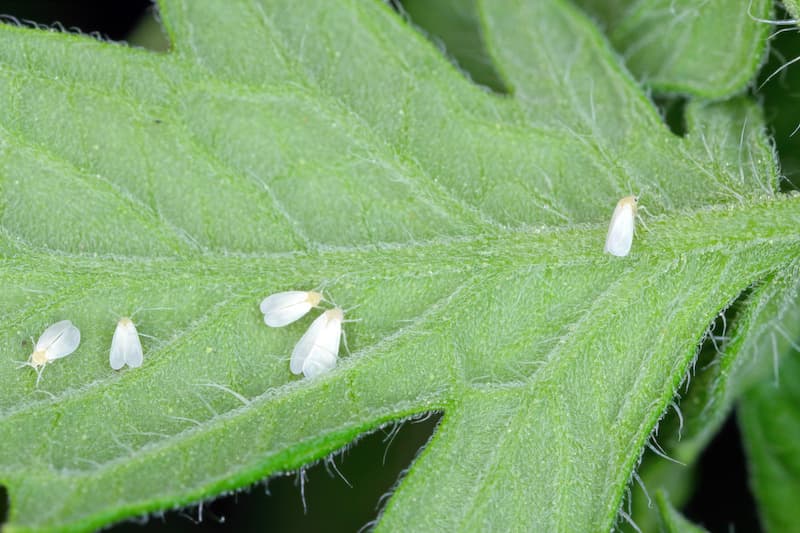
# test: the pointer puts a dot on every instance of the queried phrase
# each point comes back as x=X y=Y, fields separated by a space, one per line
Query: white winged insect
x=283 y=308
x=318 y=349
x=126 y=348
x=620 y=231
x=57 y=341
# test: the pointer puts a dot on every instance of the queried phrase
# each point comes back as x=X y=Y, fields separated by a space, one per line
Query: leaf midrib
x=418 y=178
x=281 y=391
x=703 y=230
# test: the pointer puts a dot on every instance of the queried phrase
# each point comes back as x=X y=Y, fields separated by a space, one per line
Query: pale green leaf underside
x=677 y=46
x=740 y=357
x=284 y=144
x=769 y=415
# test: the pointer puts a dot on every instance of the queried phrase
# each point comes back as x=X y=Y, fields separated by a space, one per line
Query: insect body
x=57 y=341
x=620 y=231
x=318 y=349
x=126 y=348
x=283 y=308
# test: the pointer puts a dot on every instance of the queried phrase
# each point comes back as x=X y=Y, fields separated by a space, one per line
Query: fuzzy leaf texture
x=290 y=144
x=741 y=354
x=769 y=411
x=660 y=40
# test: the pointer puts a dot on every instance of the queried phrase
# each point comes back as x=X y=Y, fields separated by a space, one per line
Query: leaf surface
x=674 y=45
x=287 y=145
x=672 y=521
x=455 y=26
x=793 y=7
x=738 y=354
x=769 y=413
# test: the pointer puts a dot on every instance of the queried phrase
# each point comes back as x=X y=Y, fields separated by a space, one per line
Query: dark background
x=722 y=501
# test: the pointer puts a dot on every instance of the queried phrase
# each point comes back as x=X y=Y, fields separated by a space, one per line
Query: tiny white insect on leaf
x=283 y=308
x=126 y=348
x=620 y=231
x=57 y=341
x=318 y=349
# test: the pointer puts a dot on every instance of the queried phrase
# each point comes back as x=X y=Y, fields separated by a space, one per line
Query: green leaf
x=732 y=359
x=779 y=86
x=148 y=33
x=769 y=415
x=290 y=144
x=673 y=521
x=675 y=46
x=455 y=25
x=793 y=7
x=740 y=358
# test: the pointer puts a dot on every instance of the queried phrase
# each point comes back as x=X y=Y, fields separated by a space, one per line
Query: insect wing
x=51 y=334
x=134 y=355
x=126 y=348
x=306 y=343
x=60 y=340
x=330 y=337
x=620 y=231
x=285 y=307
x=318 y=362
x=323 y=355
x=116 y=356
